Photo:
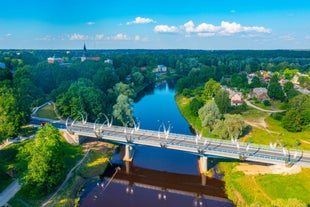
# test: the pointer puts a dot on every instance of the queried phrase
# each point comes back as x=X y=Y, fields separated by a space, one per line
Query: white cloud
x=141 y=20
x=206 y=34
x=225 y=29
x=90 y=23
x=165 y=29
x=8 y=35
x=46 y=38
x=76 y=36
x=99 y=37
x=204 y=27
x=119 y=36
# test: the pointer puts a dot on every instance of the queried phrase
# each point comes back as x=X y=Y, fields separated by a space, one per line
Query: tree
x=45 y=161
x=297 y=117
x=232 y=126
x=256 y=83
x=304 y=81
x=222 y=101
x=208 y=114
x=11 y=117
x=82 y=96
x=289 y=74
x=220 y=129
x=211 y=88
x=123 y=109
x=235 y=124
x=194 y=106
x=289 y=90
x=274 y=89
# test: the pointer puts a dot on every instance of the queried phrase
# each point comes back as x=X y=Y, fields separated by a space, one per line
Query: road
x=9 y=192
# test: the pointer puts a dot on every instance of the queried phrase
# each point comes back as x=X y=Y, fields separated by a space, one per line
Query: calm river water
x=157 y=177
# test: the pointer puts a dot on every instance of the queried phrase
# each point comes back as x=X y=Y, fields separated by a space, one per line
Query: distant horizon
x=156 y=24
x=91 y=49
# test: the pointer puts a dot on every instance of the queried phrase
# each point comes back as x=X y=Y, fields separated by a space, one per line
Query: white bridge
x=201 y=146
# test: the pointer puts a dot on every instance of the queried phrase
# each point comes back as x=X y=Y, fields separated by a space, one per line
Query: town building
x=260 y=94
x=54 y=59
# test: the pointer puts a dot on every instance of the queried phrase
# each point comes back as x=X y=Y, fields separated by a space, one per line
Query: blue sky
x=156 y=24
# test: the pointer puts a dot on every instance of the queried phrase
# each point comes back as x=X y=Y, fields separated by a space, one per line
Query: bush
x=277 y=116
x=267 y=103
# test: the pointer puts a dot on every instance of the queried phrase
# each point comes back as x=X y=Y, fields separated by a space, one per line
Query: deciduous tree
x=208 y=114
x=45 y=161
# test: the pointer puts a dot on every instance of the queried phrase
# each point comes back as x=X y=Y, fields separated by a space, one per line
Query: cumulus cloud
x=76 y=36
x=165 y=29
x=224 y=29
x=204 y=27
x=141 y=20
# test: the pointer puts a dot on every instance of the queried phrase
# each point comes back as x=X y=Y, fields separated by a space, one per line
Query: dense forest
x=109 y=84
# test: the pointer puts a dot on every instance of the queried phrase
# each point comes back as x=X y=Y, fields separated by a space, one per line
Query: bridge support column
x=129 y=152
x=203 y=168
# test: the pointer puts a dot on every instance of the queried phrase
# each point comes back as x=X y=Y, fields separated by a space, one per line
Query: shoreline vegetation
x=258 y=185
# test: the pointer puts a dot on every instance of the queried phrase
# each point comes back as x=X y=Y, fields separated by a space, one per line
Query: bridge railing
x=89 y=128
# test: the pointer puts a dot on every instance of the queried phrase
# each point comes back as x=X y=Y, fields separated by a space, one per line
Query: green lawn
x=47 y=112
x=7 y=162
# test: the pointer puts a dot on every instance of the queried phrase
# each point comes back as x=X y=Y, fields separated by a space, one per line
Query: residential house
x=260 y=94
x=235 y=98
x=54 y=59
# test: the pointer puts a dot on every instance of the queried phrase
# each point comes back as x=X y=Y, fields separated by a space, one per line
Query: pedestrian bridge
x=201 y=146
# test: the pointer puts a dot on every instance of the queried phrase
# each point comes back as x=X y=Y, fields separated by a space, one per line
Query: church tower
x=83 y=58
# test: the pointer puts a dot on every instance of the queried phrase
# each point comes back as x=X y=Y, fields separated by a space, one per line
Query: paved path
x=264 y=110
x=9 y=192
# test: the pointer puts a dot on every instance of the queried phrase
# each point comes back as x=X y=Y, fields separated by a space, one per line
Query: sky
x=155 y=24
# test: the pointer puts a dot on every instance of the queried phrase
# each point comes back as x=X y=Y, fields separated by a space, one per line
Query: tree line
x=95 y=87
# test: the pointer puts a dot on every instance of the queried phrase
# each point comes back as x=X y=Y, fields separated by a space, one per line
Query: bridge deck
x=191 y=144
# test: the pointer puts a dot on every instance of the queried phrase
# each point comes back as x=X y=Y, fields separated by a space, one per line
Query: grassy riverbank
x=261 y=189
x=89 y=171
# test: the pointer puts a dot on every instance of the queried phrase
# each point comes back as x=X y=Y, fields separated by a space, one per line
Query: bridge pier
x=203 y=169
x=128 y=157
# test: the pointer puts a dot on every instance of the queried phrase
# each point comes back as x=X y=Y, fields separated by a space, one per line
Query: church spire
x=84 y=47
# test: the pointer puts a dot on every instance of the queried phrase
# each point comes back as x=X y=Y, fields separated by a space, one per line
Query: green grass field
x=47 y=112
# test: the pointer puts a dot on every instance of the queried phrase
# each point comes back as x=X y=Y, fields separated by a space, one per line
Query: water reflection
x=145 y=187
x=158 y=177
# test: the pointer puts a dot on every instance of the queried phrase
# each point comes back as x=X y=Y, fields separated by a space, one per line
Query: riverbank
x=89 y=171
x=257 y=185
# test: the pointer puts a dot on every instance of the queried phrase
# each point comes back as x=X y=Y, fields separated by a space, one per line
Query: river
x=157 y=176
